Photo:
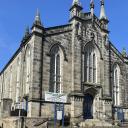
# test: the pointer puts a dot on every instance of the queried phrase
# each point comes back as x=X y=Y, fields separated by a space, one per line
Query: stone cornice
x=58 y=29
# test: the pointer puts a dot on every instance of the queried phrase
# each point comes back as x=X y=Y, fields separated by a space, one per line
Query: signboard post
x=63 y=117
x=58 y=99
x=55 y=117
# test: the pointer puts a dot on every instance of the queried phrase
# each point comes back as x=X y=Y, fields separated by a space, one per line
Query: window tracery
x=56 y=69
x=116 y=90
x=90 y=64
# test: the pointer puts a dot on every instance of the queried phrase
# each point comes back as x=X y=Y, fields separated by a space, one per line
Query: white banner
x=55 y=97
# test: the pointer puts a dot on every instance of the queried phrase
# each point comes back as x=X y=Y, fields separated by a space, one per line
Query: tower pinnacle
x=102 y=12
x=26 y=36
x=37 y=18
x=124 y=52
x=26 y=32
x=75 y=9
x=77 y=2
x=92 y=7
x=103 y=18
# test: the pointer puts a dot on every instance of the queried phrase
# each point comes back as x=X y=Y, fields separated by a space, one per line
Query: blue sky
x=15 y=15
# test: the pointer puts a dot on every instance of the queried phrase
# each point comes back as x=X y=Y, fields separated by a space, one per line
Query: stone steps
x=58 y=124
x=95 y=123
x=124 y=125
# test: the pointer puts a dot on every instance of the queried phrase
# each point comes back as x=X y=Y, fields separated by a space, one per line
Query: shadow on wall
x=17 y=111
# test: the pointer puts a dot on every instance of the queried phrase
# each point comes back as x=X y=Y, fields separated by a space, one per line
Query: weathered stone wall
x=10 y=123
x=20 y=122
x=35 y=122
x=117 y=58
x=64 y=40
x=10 y=82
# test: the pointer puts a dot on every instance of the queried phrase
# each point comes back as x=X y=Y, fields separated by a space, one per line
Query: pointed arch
x=61 y=47
x=116 y=84
x=91 y=56
x=56 y=69
x=18 y=81
x=119 y=64
x=27 y=49
x=27 y=65
x=90 y=95
x=94 y=45
x=91 y=90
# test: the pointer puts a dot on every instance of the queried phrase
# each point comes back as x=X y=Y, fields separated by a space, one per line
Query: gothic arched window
x=18 y=81
x=28 y=65
x=10 y=84
x=56 y=67
x=116 y=89
x=90 y=64
x=94 y=67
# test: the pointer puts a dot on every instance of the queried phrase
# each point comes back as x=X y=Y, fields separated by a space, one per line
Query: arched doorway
x=88 y=106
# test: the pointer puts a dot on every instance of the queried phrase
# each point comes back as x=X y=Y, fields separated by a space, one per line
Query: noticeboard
x=55 y=97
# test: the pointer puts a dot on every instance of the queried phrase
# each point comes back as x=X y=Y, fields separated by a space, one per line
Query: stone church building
x=77 y=59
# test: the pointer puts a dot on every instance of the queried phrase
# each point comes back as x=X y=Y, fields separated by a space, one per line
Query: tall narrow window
x=90 y=67
x=58 y=74
x=10 y=84
x=85 y=66
x=18 y=81
x=28 y=53
x=56 y=70
x=94 y=68
x=90 y=64
x=116 y=93
x=5 y=84
x=52 y=73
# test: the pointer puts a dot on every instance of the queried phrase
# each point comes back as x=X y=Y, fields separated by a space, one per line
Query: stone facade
x=96 y=89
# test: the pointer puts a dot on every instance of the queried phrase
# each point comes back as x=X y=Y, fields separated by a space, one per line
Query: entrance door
x=88 y=107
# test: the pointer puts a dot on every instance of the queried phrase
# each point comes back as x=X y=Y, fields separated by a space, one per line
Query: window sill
x=89 y=84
